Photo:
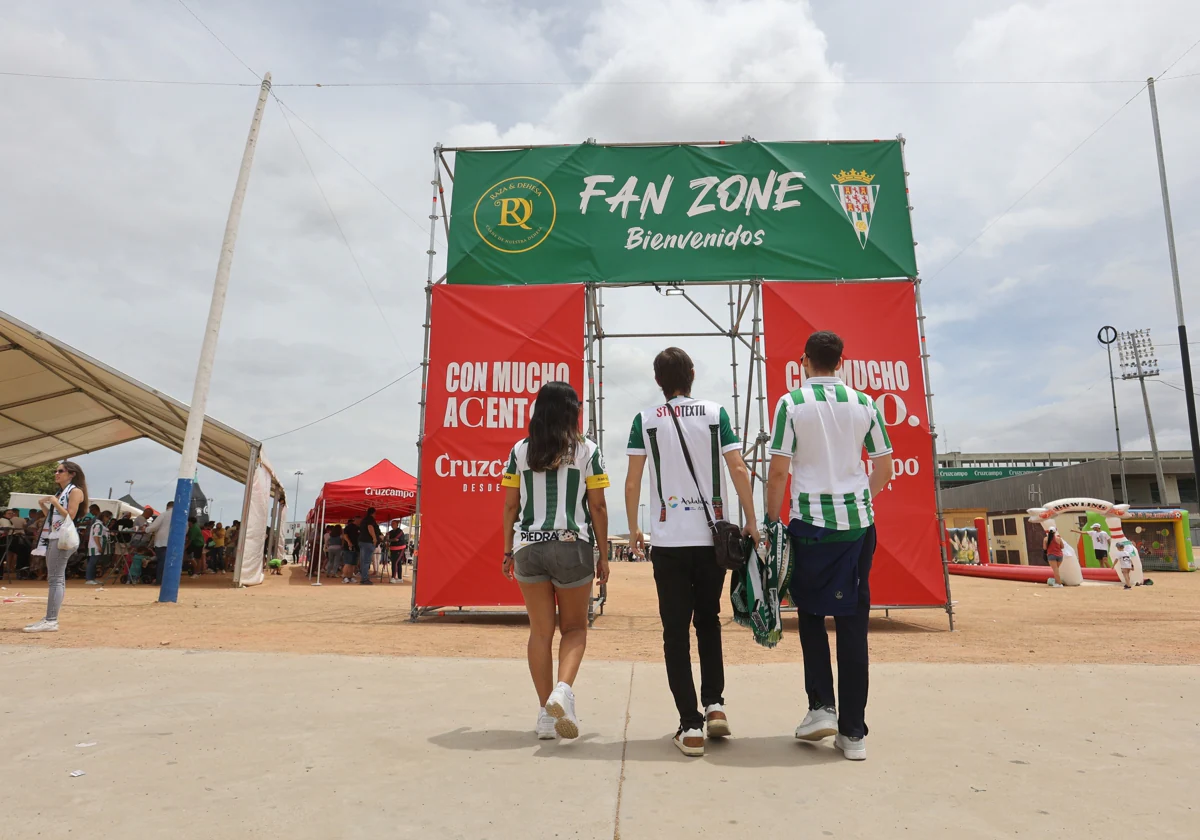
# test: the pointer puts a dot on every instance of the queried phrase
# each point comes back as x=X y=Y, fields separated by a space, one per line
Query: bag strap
x=687 y=457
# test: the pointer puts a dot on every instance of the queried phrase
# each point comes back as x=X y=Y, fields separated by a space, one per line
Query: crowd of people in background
x=349 y=550
x=128 y=548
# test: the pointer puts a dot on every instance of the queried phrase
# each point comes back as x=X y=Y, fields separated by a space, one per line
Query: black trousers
x=852 y=657
x=690 y=584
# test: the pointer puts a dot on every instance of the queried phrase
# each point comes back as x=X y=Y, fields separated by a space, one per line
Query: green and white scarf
x=756 y=590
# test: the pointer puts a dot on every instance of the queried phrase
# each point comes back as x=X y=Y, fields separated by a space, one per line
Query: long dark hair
x=554 y=426
x=79 y=480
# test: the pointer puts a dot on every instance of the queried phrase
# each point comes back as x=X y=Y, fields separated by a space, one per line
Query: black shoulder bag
x=732 y=549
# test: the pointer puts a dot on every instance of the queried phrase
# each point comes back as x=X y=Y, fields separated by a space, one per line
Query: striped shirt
x=823 y=427
x=681 y=520
x=554 y=503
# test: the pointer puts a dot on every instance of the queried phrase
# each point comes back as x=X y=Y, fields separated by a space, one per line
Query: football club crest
x=857 y=195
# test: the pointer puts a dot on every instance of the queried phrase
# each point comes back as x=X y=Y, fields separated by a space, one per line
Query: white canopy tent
x=56 y=403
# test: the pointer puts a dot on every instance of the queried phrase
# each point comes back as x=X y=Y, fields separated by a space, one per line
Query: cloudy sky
x=115 y=194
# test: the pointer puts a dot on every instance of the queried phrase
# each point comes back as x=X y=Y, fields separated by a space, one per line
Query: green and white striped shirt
x=554 y=501
x=823 y=426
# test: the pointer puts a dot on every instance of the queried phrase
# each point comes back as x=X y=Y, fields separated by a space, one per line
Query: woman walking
x=1054 y=554
x=71 y=499
x=555 y=518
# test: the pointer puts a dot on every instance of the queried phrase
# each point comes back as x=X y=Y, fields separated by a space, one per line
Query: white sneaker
x=345 y=580
x=716 y=721
x=818 y=724
x=92 y=582
x=690 y=742
x=43 y=626
x=561 y=707
x=545 y=726
x=854 y=749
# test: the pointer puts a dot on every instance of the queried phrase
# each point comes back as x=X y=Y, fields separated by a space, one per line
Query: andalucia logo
x=857 y=195
x=515 y=215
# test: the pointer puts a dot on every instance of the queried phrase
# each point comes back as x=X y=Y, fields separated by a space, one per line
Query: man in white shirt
x=686 y=573
x=819 y=434
x=1100 y=542
x=160 y=532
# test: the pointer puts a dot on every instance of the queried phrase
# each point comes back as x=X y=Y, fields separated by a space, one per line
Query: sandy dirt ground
x=996 y=622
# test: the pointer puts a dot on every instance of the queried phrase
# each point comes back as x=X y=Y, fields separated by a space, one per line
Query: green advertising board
x=775 y=211
x=983 y=473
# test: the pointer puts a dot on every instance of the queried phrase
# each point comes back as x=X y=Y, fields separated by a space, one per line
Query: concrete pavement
x=213 y=745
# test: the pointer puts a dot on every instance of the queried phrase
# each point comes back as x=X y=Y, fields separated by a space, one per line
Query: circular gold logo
x=515 y=215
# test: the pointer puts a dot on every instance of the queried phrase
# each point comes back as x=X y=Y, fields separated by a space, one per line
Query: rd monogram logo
x=515 y=215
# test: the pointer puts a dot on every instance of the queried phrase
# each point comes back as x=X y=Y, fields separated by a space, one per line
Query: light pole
x=1137 y=362
x=129 y=481
x=641 y=518
x=173 y=563
x=296 y=503
x=1106 y=336
x=296 y=498
x=1184 y=353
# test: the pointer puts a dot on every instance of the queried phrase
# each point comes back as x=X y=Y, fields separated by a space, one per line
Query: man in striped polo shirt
x=686 y=573
x=819 y=434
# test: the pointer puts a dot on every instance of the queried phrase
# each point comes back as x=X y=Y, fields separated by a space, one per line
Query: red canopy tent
x=385 y=487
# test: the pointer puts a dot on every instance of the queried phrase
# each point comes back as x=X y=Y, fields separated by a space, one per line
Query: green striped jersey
x=678 y=507
x=556 y=500
x=824 y=427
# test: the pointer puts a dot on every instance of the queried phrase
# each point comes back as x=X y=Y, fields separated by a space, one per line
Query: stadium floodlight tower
x=1138 y=361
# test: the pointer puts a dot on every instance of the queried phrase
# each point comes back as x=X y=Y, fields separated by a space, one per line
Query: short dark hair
x=370 y=511
x=824 y=350
x=191 y=520
x=674 y=372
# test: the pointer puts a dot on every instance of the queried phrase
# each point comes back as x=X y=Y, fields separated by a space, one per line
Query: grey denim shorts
x=565 y=564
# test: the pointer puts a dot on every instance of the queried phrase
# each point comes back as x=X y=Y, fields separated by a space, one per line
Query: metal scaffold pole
x=432 y=252
x=937 y=482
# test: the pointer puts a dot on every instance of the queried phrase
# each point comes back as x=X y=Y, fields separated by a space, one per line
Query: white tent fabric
x=249 y=572
x=56 y=402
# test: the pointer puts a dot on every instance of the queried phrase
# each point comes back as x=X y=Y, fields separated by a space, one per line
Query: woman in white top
x=71 y=499
x=555 y=515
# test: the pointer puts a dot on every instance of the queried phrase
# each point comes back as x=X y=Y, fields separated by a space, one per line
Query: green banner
x=776 y=211
x=983 y=473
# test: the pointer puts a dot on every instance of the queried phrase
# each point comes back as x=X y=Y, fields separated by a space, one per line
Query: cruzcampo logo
x=515 y=215
x=857 y=195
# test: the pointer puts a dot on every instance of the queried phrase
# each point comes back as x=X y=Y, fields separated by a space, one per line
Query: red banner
x=878 y=322
x=490 y=350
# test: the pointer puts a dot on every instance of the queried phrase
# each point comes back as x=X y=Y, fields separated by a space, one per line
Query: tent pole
x=268 y=544
x=277 y=527
x=241 y=543
x=319 y=536
x=416 y=535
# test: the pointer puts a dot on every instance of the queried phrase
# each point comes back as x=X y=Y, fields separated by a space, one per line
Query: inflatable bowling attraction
x=1063 y=516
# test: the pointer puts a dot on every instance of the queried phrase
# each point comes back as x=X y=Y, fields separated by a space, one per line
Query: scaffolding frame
x=748 y=297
